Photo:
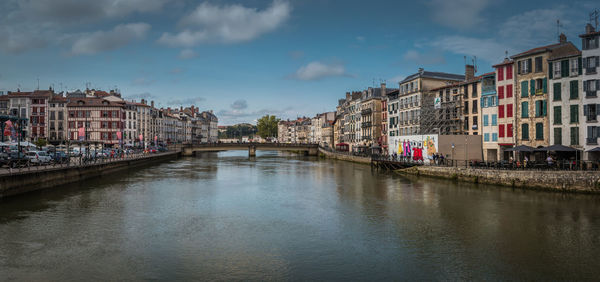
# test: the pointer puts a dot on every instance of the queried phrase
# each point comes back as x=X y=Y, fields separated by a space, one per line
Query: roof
x=537 y=50
x=564 y=51
x=92 y=102
x=506 y=61
x=434 y=75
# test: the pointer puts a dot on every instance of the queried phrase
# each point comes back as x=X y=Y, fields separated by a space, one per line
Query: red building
x=101 y=120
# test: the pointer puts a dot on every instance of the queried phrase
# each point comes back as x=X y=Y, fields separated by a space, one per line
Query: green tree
x=267 y=126
x=40 y=143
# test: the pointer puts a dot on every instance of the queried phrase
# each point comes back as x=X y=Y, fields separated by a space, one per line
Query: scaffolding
x=442 y=111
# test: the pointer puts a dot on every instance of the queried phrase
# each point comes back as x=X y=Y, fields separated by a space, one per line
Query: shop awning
x=556 y=148
x=520 y=148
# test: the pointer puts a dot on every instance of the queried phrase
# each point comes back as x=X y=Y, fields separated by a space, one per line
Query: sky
x=245 y=59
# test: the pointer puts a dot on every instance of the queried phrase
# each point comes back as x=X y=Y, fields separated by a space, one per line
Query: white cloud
x=226 y=24
x=484 y=48
x=187 y=54
x=317 y=70
x=239 y=104
x=360 y=38
x=121 y=35
x=429 y=58
x=460 y=14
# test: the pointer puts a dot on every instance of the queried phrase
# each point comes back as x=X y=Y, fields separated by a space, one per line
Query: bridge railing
x=256 y=144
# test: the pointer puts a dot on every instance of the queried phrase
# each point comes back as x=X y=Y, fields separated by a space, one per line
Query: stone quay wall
x=345 y=157
x=27 y=181
x=562 y=181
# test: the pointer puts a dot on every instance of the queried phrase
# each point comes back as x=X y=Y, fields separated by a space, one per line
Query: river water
x=224 y=216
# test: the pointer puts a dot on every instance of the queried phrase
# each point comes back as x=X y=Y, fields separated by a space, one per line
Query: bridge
x=308 y=149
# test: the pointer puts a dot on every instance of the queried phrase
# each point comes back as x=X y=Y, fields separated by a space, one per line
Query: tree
x=267 y=126
x=40 y=143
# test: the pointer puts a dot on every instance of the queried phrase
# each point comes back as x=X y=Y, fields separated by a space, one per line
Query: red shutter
x=501 y=73
x=509 y=130
x=501 y=111
x=509 y=110
x=509 y=91
x=109 y=114
x=509 y=72
x=500 y=92
x=109 y=124
x=501 y=130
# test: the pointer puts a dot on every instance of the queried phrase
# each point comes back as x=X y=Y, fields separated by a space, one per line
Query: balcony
x=591 y=141
x=366 y=124
x=591 y=94
x=590 y=70
x=366 y=111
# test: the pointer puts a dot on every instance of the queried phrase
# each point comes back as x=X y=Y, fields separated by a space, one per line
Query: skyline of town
x=287 y=58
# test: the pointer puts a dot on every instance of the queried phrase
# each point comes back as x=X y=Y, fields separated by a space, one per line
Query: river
x=224 y=216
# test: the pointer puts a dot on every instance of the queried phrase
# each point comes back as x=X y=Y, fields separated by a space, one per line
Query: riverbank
x=37 y=179
x=344 y=157
x=559 y=181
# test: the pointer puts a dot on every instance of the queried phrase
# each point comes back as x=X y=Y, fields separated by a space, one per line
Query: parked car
x=39 y=157
x=60 y=157
x=162 y=149
x=16 y=159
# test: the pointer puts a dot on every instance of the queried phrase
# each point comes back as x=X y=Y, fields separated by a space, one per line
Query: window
x=60 y=115
x=484 y=102
x=539 y=131
x=540 y=108
x=509 y=72
x=574 y=90
x=525 y=131
x=524 y=109
x=500 y=92
x=52 y=115
x=557 y=136
x=574 y=113
x=556 y=70
x=485 y=120
x=589 y=43
x=538 y=64
x=574 y=66
x=509 y=91
x=494 y=120
x=466 y=124
x=509 y=130
x=474 y=108
x=501 y=130
x=557 y=115
x=474 y=90
x=494 y=137
x=524 y=89
x=574 y=135
x=501 y=73
x=475 y=122
x=486 y=137
x=556 y=95
x=591 y=111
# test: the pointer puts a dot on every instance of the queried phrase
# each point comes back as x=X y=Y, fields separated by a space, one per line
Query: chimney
x=152 y=104
x=383 y=92
x=347 y=96
x=562 y=38
x=589 y=28
x=181 y=108
x=469 y=72
x=421 y=70
x=143 y=101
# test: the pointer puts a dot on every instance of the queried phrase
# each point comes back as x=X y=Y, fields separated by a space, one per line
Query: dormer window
x=80 y=102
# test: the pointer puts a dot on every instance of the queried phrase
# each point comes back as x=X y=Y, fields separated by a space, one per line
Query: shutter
x=597 y=61
x=545 y=85
x=597 y=109
x=557 y=95
x=579 y=66
x=586 y=110
x=544 y=107
x=550 y=70
x=519 y=67
x=524 y=89
x=585 y=86
x=529 y=65
x=590 y=131
x=531 y=87
x=564 y=68
x=597 y=84
x=537 y=108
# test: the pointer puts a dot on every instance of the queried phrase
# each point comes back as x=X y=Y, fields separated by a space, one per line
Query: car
x=39 y=157
x=60 y=157
x=162 y=149
x=16 y=159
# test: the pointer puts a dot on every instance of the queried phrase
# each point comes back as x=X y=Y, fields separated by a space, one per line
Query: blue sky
x=244 y=59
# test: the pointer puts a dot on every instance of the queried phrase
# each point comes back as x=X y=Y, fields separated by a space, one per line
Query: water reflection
x=280 y=216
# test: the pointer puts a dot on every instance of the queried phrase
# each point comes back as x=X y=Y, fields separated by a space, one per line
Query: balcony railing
x=590 y=70
x=591 y=94
x=591 y=141
x=366 y=111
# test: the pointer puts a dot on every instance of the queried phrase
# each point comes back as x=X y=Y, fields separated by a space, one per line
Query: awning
x=597 y=149
x=556 y=148
x=520 y=148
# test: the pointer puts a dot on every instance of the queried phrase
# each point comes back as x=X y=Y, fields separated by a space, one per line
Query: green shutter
x=532 y=87
x=545 y=85
x=538 y=109
x=544 y=108
x=558 y=136
x=525 y=131
x=574 y=89
x=524 y=89
x=557 y=115
x=579 y=61
x=539 y=131
x=564 y=68
x=574 y=113
x=550 y=70
x=524 y=109
x=557 y=94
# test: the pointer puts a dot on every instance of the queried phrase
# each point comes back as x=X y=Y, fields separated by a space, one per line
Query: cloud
x=317 y=70
x=187 y=54
x=186 y=101
x=459 y=14
x=239 y=105
x=142 y=81
x=297 y=54
x=431 y=58
x=209 y=23
x=144 y=95
x=360 y=38
x=99 y=41
x=236 y=116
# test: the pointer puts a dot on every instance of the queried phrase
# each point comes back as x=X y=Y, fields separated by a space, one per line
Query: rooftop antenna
x=558 y=26
x=38 y=85
x=594 y=18
x=506 y=54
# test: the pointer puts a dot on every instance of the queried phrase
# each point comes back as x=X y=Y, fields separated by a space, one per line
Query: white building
x=591 y=85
